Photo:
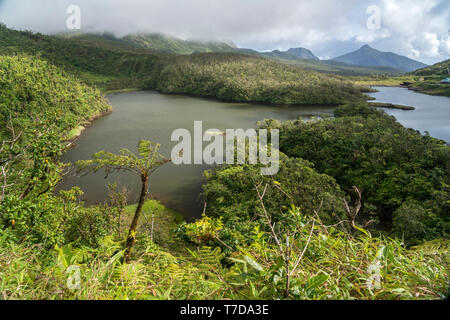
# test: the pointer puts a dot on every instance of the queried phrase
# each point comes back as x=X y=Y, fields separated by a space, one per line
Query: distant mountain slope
x=438 y=69
x=303 y=53
x=291 y=54
x=159 y=43
x=170 y=44
x=356 y=68
x=156 y=42
x=277 y=54
x=367 y=56
x=341 y=68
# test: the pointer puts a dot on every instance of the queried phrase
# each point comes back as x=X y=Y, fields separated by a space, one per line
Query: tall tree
x=144 y=164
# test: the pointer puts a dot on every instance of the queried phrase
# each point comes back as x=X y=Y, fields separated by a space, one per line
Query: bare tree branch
x=304 y=249
x=269 y=222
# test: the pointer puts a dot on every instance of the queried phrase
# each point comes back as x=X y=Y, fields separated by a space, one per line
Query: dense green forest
x=358 y=210
x=403 y=176
x=228 y=76
x=250 y=79
x=156 y=42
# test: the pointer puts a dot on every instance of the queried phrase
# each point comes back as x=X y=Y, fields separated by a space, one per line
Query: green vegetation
x=230 y=195
x=169 y=44
x=431 y=87
x=291 y=54
x=383 y=80
x=250 y=79
x=95 y=63
x=390 y=106
x=426 y=80
x=430 y=78
x=158 y=222
x=331 y=265
x=301 y=57
x=227 y=76
x=345 y=69
x=440 y=69
x=39 y=107
x=143 y=165
x=303 y=234
x=33 y=91
x=396 y=168
x=153 y=41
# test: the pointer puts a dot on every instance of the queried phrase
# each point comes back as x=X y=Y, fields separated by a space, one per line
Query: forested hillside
x=156 y=42
x=441 y=69
x=235 y=77
x=403 y=176
x=227 y=76
x=34 y=92
x=40 y=108
x=292 y=54
x=94 y=62
x=169 y=44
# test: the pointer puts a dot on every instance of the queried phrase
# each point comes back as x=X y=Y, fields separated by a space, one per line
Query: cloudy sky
x=418 y=29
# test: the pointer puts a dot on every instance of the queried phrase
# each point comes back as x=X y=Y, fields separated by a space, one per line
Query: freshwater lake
x=153 y=116
x=432 y=113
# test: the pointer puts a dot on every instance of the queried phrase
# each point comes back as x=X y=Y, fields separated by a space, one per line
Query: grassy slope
x=159 y=221
x=440 y=70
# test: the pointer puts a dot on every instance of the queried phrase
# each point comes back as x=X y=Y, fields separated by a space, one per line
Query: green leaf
x=253 y=263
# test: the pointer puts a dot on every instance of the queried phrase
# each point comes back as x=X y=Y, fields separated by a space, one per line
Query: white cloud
x=417 y=28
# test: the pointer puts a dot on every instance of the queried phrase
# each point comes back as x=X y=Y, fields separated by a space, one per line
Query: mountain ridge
x=158 y=42
x=292 y=54
x=368 y=56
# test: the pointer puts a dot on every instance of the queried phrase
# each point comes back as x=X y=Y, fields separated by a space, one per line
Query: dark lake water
x=432 y=113
x=153 y=116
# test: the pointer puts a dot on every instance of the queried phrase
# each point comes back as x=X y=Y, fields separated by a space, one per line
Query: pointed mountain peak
x=366 y=47
x=368 y=56
x=302 y=53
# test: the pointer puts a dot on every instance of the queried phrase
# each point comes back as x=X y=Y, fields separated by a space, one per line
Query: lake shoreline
x=430 y=112
x=76 y=132
x=390 y=106
x=215 y=99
